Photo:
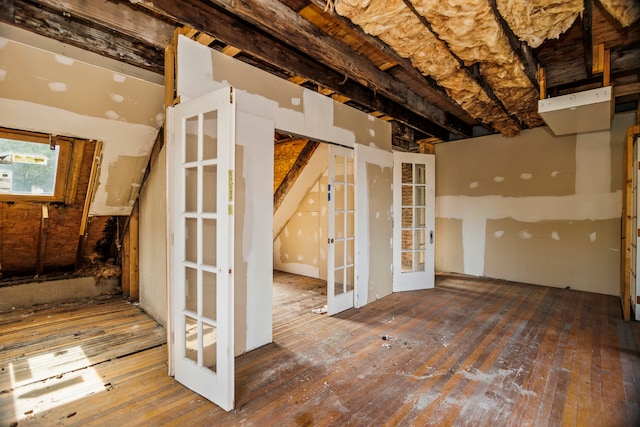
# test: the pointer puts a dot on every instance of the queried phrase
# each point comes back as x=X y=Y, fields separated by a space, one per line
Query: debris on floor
x=320 y=310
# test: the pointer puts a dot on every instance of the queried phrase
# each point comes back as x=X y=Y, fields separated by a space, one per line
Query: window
x=33 y=166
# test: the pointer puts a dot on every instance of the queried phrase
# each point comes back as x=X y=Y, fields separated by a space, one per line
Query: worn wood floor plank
x=469 y=352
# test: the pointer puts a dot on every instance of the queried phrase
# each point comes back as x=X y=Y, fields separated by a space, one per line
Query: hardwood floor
x=469 y=352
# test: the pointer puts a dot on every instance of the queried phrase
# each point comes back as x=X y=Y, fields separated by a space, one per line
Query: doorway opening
x=314 y=240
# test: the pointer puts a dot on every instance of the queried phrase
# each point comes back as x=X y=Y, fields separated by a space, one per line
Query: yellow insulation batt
x=535 y=21
x=472 y=32
x=626 y=12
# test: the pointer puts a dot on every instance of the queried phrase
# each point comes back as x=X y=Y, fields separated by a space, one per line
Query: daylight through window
x=32 y=166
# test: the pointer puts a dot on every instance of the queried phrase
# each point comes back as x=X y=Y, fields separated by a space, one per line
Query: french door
x=341 y=234
x=200 y=185
x=413 y=221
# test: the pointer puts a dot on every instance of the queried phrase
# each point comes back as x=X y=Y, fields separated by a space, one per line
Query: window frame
x=65 y=145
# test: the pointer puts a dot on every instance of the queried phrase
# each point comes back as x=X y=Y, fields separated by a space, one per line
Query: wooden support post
x=542 y=82
x=627 y=212
x=606 y=73
x=597 y=65
x=42 y=240
x=93 y=177
x=426 y=147
x=74 y=172
x=134 y=255
x=125 y=278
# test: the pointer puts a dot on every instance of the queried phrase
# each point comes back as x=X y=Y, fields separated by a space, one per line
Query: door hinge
x=231 y=95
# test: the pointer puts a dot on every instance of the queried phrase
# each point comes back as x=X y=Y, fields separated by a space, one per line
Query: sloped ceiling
x=438 y=70
x=59 y=91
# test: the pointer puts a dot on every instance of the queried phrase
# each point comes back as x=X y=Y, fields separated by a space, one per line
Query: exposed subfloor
x=469 y=352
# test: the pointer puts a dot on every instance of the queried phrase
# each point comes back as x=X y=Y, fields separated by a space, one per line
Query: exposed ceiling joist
x=284 y=24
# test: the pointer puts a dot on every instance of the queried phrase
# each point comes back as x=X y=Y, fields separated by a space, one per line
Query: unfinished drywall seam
x=593 y=163
x=119 y=138
x=473 y=243
x=532 y=209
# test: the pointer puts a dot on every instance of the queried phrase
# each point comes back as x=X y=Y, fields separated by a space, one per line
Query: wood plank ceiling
x=437 y=70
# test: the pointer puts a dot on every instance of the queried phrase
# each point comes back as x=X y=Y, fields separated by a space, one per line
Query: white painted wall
x=301 y=246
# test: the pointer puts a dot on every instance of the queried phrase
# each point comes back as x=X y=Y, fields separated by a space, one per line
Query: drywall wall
x=293 y=108
x=153 y=241
x=57 y=89
x=287 y=107
x=301 y=246
x=316 y=166
x=535 y=208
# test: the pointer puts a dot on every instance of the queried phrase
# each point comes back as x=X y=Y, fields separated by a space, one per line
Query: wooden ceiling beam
x=473 y=71
x=587 y=36
x=110 y=14
x=404 y=63
x=81 y=33
x=523 y=50
x=281 y=22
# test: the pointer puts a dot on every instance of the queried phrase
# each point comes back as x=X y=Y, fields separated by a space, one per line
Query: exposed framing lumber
x=525 y=53
x=627 y=211
x=134 y=254
x=587 y=37
x=74 y=171
x=473 y=71
x=42 y=239
x=91 y=188
x=293 y=174
x=81 y=33
x=404 y=63
x=113 y=15
x=296 y=33
x=624 y=90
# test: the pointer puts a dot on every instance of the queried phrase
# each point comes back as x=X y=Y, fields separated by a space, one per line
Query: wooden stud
x=187 y=31
x=297 y=80
x=91 y=187
x=387 y=65
x=93 y=177
x=627 y=210
x=125 y=278
x=340 y=98
x=169 y=75
x=542 y=82
x=598 y=58
x=606 y=77
x=325 y=91
x=42 y=240
x=628 y=89
x=205 y=39
x=74 y=171
x=427 y=146
x=134 y=255
x=231 y=50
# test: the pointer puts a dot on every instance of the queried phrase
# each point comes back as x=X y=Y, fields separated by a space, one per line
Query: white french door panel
x=341 y=230
x=201 y=190
x=413 y=221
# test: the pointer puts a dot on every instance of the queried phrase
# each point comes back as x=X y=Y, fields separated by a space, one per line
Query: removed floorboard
x=469 y=352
